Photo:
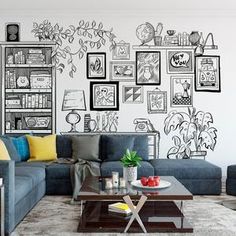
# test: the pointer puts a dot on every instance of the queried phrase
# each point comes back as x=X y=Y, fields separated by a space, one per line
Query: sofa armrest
x=7 y=172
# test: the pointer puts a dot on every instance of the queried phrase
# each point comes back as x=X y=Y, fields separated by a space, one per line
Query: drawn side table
x=2 y=209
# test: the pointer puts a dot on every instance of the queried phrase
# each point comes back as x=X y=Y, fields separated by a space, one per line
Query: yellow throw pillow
x=42 y=148
x=4 y=155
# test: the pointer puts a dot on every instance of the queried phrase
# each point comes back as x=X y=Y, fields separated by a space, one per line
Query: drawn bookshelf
x=28 y=88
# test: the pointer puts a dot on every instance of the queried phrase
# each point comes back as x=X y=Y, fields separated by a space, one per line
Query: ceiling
x=119 y=5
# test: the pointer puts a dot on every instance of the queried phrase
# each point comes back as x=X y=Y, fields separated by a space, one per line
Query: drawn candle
x=115 y=179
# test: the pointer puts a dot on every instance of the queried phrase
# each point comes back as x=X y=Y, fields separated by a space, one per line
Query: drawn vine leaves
x=86 y=34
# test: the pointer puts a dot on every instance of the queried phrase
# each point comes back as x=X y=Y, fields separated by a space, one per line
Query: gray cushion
x=64 y=146
x=32 y=164
x=58 y=171
x=36 y=174
x=141 y=146
x=11 y=149
x=231 y=172
x=115 y=146
x=186 y=169
x=23 y=186
x=86 y=147
x=145 y=169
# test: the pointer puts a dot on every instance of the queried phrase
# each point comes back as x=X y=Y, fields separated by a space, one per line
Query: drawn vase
x=194 y=38
x=130 y=173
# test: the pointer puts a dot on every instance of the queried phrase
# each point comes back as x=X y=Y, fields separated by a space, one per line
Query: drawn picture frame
x=180 y=61
x=156 y=102
x=148 y=67
x=207 y=74
x=104 y=96
x=96 y=65
x=132 y=94
x=121 y=51
x=123 y=71
x=181 y=91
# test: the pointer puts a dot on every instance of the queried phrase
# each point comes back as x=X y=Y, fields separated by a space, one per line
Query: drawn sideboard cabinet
x=28 y=76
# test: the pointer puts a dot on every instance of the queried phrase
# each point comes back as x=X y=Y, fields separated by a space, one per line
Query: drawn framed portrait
x=121 y=51
x=122 y=71
x=96 y=65
x=157 y=102
x=181 y=91
x=207 y=74
x=148 y=67
x=104 y=96
x=132 y=94
x=180 y=61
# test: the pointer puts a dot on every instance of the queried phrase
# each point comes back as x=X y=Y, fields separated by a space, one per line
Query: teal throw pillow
x=22 y=147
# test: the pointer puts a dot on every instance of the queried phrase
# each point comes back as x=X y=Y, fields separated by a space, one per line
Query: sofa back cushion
x=11 y=149
x=64 y=146
x=113 y=147
x=141 y=146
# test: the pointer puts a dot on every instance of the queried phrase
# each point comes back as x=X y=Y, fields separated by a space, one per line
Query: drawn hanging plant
x=194 y=128
x=86 y=34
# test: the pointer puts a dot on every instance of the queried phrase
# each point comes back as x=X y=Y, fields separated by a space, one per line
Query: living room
x=117 y=101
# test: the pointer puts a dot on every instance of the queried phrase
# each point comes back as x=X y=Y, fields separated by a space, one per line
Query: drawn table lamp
x=73 y=100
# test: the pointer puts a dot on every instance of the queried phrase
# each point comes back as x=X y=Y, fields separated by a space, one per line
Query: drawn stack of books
x=119 y=208
x=31 y=101
x=10 y=79
x=35 y=56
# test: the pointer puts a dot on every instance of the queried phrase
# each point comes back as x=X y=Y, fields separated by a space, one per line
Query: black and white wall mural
x=163 y=71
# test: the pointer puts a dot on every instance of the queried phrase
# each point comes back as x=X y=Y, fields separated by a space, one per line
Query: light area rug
x=55 y=216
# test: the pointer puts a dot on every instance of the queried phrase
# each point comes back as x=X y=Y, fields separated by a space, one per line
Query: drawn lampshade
x=73 y=100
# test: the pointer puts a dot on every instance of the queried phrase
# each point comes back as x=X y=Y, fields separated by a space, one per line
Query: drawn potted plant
x=130 y=162
x=86 y=35
x=195 y=130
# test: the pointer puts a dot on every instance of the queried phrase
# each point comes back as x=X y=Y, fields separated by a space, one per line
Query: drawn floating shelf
x=153 y=47
x=28 y=90
x=28 y=131
x=27 y=110
x=28 y=65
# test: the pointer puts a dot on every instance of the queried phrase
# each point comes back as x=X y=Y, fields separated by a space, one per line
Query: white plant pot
x=130 y=173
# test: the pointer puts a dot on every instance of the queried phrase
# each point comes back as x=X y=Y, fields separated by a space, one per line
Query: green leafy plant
x=195 y=130
x=86 y=35
x=131 y=159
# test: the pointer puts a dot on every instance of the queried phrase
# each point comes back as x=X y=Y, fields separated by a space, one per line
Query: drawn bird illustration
x=96 y=66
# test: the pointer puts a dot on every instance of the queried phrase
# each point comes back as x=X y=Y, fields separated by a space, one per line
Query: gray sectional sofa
x=27 y=182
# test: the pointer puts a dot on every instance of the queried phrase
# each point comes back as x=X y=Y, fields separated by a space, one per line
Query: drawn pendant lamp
x=199 y=50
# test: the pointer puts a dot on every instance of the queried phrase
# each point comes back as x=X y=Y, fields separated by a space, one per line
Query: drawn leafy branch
x=86 y=34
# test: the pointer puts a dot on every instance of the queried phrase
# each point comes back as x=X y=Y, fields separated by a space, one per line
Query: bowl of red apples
x=151 y=182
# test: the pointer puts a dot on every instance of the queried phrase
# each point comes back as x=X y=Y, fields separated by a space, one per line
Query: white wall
x=221 y=105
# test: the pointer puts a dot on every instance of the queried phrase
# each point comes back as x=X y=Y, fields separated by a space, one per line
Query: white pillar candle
x=1 y=181
x=122 y=183
x=115 y=179
x=108 y=184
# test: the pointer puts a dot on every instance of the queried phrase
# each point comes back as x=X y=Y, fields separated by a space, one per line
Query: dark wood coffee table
x=162 y=212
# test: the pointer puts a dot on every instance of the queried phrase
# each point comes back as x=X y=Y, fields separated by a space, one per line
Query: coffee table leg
x=81 y=207
x=135 y=211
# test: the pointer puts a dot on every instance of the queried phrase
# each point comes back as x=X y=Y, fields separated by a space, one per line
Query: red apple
x=144 y=181
x=151 y=183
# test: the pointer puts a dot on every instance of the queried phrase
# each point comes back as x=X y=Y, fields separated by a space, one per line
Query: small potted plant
x=196 y=131
x=130 y=162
